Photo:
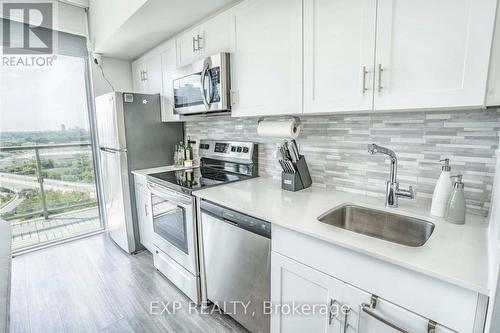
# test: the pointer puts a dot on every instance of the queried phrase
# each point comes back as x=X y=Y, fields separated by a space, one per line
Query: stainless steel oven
x=174 y=238
x=203 y=86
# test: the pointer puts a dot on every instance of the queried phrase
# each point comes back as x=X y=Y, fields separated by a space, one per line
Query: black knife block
x=298 y=180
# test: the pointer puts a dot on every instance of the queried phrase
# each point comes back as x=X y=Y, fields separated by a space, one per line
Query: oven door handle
x=203 y=94
x=165 y=193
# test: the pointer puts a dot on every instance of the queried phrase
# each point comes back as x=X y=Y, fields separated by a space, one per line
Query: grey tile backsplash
x=335 y=149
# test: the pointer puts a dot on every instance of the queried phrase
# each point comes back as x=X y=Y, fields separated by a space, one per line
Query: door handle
x=194 y=46
x=203 y=94
x=198 y=40
x=146 y=209
x=380 y=70
x=364 y=89
x=346 y=314
x=368 y=309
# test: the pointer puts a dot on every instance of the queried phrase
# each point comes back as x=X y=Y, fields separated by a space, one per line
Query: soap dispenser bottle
x=455 y=212
x=442 y=190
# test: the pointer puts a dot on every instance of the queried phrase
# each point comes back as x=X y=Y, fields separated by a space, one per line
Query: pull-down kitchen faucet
x=393 y=192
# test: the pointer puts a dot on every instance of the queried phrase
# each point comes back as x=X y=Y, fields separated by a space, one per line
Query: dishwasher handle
x=237 y=219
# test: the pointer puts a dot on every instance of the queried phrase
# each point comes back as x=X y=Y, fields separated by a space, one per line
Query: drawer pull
x=368 y=309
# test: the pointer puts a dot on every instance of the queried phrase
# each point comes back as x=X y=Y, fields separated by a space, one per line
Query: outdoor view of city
x=47 y=178
x=65 y=204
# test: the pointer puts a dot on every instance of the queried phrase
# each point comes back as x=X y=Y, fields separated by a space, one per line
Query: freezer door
x=117 y=198
x=110 y=121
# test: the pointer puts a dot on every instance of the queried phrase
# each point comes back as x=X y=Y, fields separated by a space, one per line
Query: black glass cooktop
x=193 y=179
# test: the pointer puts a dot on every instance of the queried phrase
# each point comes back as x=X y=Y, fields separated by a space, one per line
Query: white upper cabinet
x=146 y=74
x=217 y=34
x=168 y=67
x=209 y=38
x=432 y=54
x=339 y=47
x=266 y=64
x=188 y=47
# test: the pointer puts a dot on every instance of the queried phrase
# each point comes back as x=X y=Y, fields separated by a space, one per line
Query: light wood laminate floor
x=90 y=285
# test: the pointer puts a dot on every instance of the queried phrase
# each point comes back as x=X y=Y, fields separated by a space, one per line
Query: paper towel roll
x=279 y=129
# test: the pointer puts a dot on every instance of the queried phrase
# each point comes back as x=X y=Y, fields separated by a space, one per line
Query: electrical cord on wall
x=98 y=61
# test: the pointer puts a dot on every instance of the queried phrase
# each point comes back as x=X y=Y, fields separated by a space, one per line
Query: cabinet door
x=144 y=217
x=168 y=65
x=360 y=321
x=187 y=48
x=153 y=75
x=139 y=76
x=217 y=35
x=339 y=48
x=432 y=53
x=267 y=59
x=295 y=284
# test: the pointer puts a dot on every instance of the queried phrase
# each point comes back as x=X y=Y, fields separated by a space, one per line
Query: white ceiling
x=154 y=22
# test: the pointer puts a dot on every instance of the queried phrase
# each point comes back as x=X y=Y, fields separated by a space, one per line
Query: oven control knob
x=245 y=150
x=233 y=148
x=239 y=149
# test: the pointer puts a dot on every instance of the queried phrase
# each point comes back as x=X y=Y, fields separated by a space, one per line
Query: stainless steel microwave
x=203 y=87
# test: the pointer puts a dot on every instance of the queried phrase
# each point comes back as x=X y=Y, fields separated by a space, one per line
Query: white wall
x=117 y=71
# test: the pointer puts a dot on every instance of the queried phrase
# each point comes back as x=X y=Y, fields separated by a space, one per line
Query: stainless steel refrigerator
x=131 y=136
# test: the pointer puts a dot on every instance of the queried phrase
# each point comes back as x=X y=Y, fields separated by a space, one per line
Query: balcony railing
x=10 y=180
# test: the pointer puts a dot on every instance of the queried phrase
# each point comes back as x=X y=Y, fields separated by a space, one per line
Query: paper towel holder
x=296 y=120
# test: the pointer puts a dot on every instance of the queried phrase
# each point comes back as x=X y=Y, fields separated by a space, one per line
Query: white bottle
x=455 y=212
x=442 y=191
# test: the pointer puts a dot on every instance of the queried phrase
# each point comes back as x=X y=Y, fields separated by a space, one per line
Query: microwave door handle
x=203 y=95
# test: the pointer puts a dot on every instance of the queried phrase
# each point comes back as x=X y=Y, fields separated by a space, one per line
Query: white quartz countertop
x=457 y=254
x=145 y=172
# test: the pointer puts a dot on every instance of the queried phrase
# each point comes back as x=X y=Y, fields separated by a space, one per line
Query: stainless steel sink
x=380 y=224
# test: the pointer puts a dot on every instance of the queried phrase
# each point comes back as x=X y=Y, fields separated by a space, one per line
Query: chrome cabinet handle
x=364 y=79
x=194 y=42
x=380 y=70
x=142 y=76
x=198 y=40
x=145 y=75
x=346 y=314
x=368 y=309
x=146 y=209
x=331 y=314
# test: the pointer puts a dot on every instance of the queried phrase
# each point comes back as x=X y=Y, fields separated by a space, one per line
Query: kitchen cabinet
x=146 y=74
x=188 y=47
x=293 y=283
x=266 y=64
x=432 y=54
x=168 y=67
x=428 y=298
x=339 y=48
x=396 y=54
x=143 y=210
x=209 y=38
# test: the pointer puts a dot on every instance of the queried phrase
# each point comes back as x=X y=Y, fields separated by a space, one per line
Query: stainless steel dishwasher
x=237 y=258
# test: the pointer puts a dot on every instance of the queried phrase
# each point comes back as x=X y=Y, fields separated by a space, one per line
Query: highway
x=18 y=182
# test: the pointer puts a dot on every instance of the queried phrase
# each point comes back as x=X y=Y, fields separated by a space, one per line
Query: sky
x=37 y=99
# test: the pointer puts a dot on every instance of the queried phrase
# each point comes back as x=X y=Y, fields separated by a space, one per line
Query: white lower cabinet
x=294 y=284
x=144 y=214
x=307 y=300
